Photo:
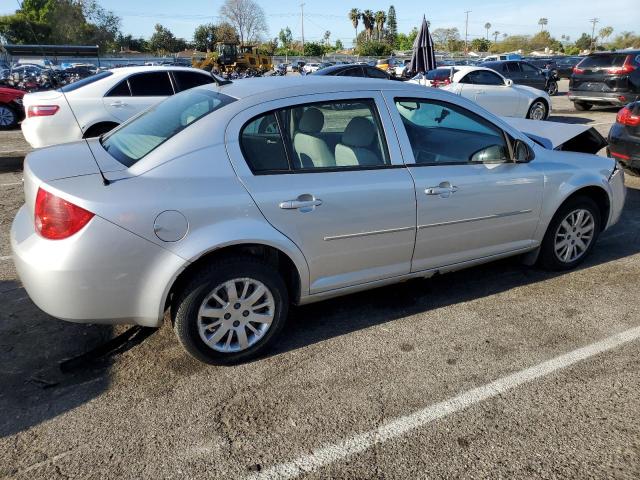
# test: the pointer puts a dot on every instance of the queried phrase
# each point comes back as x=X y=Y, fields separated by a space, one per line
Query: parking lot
x=425 y=379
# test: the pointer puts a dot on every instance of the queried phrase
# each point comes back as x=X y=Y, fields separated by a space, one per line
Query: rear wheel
x=571 y=234
x=538 y=110
x=8 y=117
x=582 y=106
x=230 y=311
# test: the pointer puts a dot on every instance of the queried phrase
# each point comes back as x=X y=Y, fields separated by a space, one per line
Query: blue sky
x=506 y=16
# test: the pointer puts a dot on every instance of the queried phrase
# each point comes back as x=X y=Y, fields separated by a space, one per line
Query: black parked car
x=354 y=70
x=564 y=66
x=607 y=78
x=624 y=138
x=544 y=63
x=523 y=73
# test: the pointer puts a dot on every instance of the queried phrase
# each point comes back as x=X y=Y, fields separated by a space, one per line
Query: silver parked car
x=226 y=204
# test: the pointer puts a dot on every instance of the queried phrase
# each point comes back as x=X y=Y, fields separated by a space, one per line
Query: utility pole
x=593 y=32
x=302 y=20
x=466 y=33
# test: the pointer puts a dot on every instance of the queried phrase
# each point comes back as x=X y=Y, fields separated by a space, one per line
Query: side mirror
x=522 y=153
x=509 y=82
x=490 y=154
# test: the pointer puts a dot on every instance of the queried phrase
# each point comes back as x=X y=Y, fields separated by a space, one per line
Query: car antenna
x=105 y=181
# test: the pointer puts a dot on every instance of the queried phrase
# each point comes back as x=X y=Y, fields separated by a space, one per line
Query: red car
x=11 y=109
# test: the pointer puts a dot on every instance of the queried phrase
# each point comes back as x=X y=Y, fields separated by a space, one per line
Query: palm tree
x=487 y=26
x=505 y=35
x=380 y=19
x=605 y=33
x=354 y=16
x=543 y=22
x=368 y=20
x=495 y=36
x=326 y=37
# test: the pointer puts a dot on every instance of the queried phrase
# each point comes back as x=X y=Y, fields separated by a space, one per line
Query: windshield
x=142 y=134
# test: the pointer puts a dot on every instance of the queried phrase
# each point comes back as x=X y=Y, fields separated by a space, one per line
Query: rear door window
x=373 y=72
x=151 y=84
x=120 y=90
x=513 y=67
x=187 y=80
x=352 y=72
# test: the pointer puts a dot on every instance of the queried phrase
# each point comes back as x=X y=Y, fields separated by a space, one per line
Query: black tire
x=187 y=302
x=11 y=116
x=582 y=106
x=539 y=110
x=99 y=129
x=548 y=258
x=552 y=88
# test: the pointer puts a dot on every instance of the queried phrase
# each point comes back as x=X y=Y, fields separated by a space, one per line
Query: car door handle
x=304 y=203
x=444 y=190
x=118 y=104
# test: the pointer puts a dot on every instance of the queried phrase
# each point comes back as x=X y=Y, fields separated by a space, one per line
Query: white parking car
x=94 y=105
x=492 y=91
x=311 y=67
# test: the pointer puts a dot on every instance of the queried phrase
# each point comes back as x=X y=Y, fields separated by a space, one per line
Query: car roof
x=272 y=88
x=151 y=68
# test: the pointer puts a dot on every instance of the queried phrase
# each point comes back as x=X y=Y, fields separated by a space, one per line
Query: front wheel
x=571 y=235
x=538 y=110
x=230 y=311
x=552 y=88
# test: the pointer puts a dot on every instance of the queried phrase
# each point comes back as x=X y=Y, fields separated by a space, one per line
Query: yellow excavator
x=239 y=58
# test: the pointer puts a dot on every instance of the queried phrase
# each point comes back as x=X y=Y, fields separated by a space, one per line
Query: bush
x=374 y=48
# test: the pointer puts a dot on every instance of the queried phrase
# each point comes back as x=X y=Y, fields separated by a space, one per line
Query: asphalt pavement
x=500 y=371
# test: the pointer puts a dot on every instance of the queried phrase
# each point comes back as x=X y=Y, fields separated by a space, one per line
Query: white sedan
x=94 y=105
x=492 y=91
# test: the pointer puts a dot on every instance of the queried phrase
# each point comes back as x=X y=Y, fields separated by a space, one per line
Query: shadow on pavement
x=48 y=366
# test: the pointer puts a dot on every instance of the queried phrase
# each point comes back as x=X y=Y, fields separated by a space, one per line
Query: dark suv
x=523 y=73
x=610 y=78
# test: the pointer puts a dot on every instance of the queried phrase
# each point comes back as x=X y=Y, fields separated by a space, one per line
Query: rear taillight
x=56 y=218
x=627 y=67
x=626 y=117
x=441 y=83
x=42 y=110
x=578 y=71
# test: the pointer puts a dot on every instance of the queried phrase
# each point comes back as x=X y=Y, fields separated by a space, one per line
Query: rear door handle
x=304 y=203
x=444 y=190
x=118 y=104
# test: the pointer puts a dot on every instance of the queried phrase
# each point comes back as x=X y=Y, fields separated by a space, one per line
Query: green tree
x=380 y=19
x=368 y=19
x=339 y=45
x=204 y=37
x=480 y=45
x=392 y=25
x=313 y=49
x=605 y=32
x=128 y=42
x=495 y=36
x=584 y=42
x=286 y=37
x=374 y=48
x=162 y=40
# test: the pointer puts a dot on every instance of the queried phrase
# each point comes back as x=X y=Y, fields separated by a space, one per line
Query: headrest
x=312 y=121
x=359 y=133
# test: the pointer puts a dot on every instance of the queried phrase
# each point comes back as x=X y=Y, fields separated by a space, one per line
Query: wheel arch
x=294 y=275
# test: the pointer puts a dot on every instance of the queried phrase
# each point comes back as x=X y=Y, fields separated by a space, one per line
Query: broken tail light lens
x=56 y=218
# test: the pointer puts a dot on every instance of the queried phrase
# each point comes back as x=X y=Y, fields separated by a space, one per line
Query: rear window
x=85 y=81
x=438 y=74
x=604 y=61
x=141 y=135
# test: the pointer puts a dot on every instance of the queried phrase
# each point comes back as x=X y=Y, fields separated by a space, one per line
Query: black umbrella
x=423 y=57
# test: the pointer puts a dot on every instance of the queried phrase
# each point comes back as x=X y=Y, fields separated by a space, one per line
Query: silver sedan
x=225 y=204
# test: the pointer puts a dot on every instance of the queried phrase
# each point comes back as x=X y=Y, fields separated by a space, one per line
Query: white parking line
x=329 y=454
x=10 y=184
x=8 y=257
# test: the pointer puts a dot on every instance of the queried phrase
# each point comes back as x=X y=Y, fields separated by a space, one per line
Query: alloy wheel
x=574 y=235
x=538 y=111
x=552 y=89
x=236 y=315
x=7 y=116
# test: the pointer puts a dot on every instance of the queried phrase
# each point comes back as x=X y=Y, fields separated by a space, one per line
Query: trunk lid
x=597 y=73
